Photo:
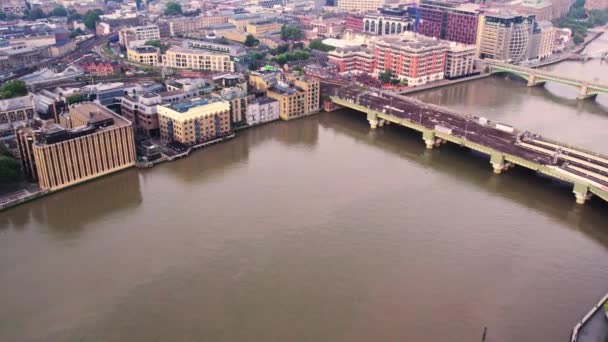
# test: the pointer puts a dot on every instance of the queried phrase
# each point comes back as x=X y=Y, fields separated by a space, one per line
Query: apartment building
x=505 y=36
x=353 y=59
x=416 y=61
x=230 y=50
x=184 y=58
x=15 y=7
x=144 y=54
x=459 y=60
x=262 y=110
x=139 y=35
x=263 y=27
x=385 y=24
x=194 y=122
x=237 y=97
x=358 y=6
x=13 y=112
x=96 y=143
x=298 y=99
x=457 y=22
x=141 y=111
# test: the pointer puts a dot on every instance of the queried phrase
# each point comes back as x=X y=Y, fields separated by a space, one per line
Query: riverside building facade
x=94 y=141
x=194 y=122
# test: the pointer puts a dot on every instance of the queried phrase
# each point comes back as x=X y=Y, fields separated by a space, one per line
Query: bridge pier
x=581 y=193
x=498 y=163
x=583 y=93
x=532 y=81
x=429 y=139
x=381 y=122
x=372 y=118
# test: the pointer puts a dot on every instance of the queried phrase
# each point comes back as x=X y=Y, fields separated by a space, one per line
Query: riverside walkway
x=506 y=146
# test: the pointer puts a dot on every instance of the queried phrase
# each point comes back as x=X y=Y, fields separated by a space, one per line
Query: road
x=502 y=138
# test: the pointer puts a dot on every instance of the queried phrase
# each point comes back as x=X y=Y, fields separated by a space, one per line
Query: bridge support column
x=583 y=93
x=532 y=80
x=372 y=118
x=498 y=163
x=581 y=193
x=429 y=139
x=381 y=123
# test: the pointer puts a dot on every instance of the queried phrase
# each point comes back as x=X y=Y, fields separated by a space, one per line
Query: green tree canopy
x=58 y=11
x=91 y=18
x=173 y=8
x=298 y=55
x=10 y=169
x=2 y=15
x=386 y=76
x=13 y=88
x=317 y=44
x=251 y=41
x=33 y=14
x=291 y=32
x=73 y=15
x=76 y=98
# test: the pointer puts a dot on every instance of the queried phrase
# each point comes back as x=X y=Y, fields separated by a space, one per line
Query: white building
x=262 y=110
x=139 y=35
x=459 y=60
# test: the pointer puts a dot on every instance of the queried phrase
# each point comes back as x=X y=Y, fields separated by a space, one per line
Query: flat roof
x=92 y=112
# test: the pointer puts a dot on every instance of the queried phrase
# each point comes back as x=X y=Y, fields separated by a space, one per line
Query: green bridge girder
x=542 y=77
x=495 y=156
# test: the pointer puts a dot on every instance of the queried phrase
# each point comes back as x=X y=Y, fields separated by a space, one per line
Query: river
x=320 y=230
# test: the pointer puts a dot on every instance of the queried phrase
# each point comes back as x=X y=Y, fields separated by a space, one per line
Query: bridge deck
x=563 y=162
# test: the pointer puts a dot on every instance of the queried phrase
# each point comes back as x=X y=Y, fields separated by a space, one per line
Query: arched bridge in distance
x=586 y=89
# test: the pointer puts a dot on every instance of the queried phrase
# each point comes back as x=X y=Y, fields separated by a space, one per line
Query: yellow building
x=298 y=100
x=183 y=58
x=263 y=27
x=194 y=122
x=234 y=35
x=145 y=54
x=100 y=143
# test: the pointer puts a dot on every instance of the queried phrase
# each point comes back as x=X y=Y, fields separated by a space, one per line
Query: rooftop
x=93 y=114
x=183 y=107
x=16 y=103
x=264 y=100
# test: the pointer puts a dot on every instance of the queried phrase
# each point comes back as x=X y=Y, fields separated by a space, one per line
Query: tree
x=58 y=12
x=282 y=49
x=91 y=18
x=385 y=77
x=73 y=15
x=2 y=15
x=77 y=32
x=76 y=98
x=317 y=44
x=10 y=169
x=33 y=14
x=251 y=41
x=173 y=8
x=291 y=32
x=13 y=88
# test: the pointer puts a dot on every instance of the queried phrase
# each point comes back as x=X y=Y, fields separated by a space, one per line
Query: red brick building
x=100 y=68
x=354 y=23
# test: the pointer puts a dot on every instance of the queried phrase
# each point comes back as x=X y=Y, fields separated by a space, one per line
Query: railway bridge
x=586 y=89
x=506 y=146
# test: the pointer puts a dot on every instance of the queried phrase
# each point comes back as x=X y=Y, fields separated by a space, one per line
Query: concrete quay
x=506 y=146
